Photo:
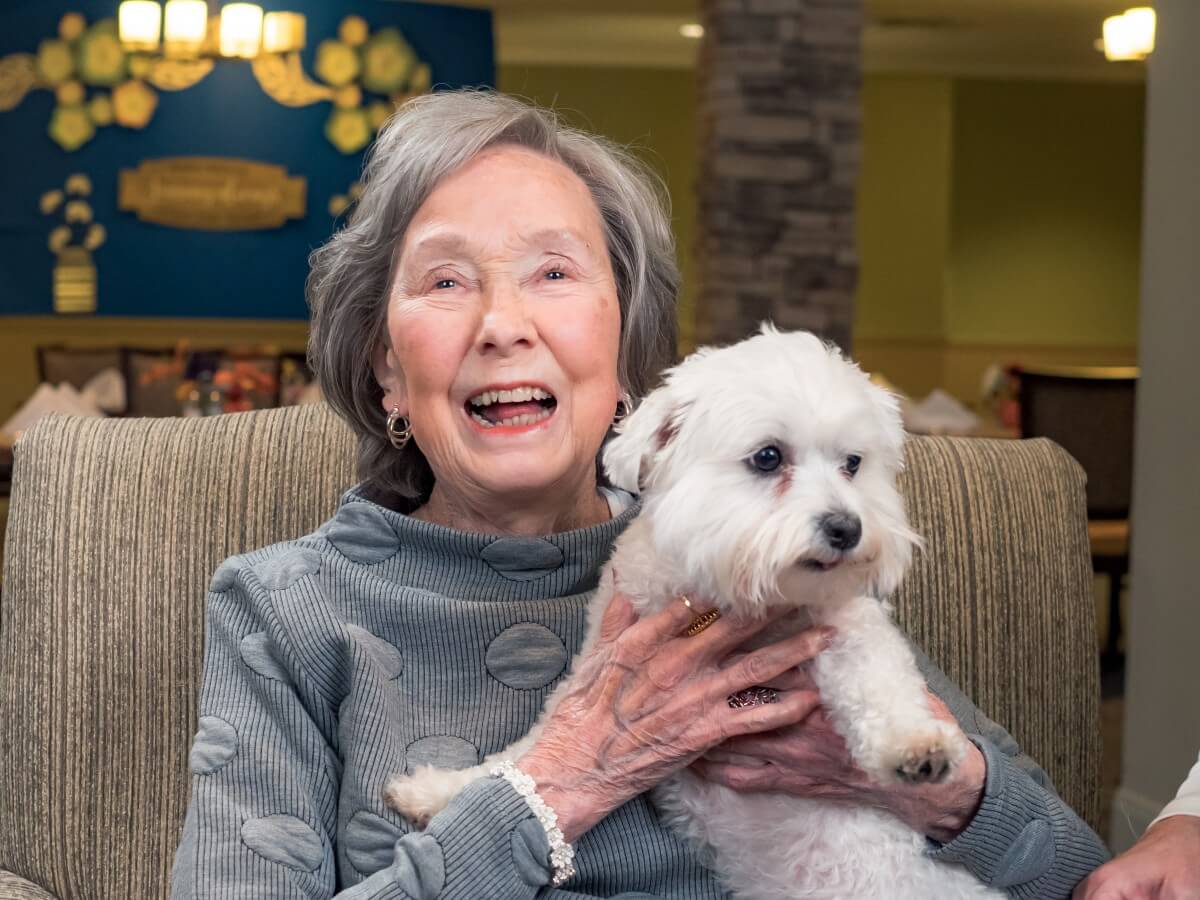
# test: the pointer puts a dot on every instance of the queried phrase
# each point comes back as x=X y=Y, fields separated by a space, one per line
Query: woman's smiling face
x=503 y=329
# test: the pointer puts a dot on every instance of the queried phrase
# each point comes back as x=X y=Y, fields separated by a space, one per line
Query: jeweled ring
x=754 y=696
x=701 y=622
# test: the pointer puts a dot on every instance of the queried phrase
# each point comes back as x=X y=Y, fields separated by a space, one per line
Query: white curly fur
x=712 y=526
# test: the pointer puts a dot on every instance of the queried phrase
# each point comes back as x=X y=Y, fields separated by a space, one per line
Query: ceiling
x=986 y=38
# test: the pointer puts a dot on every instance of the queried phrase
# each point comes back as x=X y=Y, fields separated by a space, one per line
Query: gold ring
x=701 y=622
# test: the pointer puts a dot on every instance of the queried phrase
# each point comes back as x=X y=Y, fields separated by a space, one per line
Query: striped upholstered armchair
x=116 y=526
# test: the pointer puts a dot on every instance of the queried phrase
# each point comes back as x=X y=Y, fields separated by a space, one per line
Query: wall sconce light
x=240 y=31
x=139 y=23
x=185 y=28
x=1129 y=36
x=283 y=32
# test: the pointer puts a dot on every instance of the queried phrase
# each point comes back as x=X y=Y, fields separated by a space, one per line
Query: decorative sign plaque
x=212 y=193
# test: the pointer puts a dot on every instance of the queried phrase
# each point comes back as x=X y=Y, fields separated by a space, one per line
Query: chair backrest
x=1089 y=412
x=116 y=527
x=76 y=365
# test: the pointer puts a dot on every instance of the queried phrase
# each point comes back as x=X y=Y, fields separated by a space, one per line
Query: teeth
x=515 y=395
x=527 y=419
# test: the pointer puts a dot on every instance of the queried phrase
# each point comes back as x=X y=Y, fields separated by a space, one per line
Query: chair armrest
x=13 y=887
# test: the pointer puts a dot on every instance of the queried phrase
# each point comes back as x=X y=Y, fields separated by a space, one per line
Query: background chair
x=1089 y=412
x=117 y=525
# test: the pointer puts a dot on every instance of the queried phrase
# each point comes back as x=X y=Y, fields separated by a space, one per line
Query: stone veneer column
x=779 y=156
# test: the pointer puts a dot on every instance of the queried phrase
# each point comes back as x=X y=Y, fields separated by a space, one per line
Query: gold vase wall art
x=72 y=241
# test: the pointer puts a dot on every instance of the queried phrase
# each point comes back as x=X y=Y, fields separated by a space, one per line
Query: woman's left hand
x=810 y=759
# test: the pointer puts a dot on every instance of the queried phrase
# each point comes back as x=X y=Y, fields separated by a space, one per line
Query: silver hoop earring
x=624 y=408
x=398 y=436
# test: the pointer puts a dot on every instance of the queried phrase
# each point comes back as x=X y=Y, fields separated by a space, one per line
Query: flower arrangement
x=211 y=383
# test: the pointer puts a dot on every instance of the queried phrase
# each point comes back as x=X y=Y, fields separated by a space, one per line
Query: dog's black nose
x=842 y=530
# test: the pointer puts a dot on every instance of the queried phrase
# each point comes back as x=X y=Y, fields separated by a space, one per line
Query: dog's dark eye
x=853 y=461
x=767 y=459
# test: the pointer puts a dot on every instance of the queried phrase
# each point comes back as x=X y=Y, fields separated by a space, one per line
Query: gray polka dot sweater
x=380 y=642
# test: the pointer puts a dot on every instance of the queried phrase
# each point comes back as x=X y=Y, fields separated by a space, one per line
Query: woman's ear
x=391 y=378
x=642 y=439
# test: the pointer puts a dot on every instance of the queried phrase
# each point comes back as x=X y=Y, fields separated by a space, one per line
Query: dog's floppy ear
x=630 y=457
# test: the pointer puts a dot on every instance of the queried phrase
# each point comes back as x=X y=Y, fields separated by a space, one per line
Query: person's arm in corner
x=1022 y=838
x=263 y=814
x=1165 y=862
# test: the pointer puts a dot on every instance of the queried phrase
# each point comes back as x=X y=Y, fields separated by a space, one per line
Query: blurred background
x=953 y=190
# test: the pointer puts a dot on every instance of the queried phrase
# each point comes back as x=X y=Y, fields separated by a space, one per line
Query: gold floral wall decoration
x=339 y=204
x=97 y=83
x=364 y=75
x=72 y=241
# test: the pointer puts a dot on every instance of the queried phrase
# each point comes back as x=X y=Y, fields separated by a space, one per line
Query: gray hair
x=426 y=140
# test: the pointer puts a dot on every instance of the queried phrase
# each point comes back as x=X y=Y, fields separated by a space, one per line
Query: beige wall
x=1046 y=213
x=998 y=223
x=1162 y=706
x=904 y=209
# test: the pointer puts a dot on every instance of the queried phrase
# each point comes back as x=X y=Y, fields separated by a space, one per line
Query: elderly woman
x=503 y=289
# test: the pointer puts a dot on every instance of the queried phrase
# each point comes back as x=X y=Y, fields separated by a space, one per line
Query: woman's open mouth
x=514 y=407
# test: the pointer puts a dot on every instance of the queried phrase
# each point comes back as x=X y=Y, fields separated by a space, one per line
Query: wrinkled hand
x=645 y=702
x=810 y=759
x=1163 y=865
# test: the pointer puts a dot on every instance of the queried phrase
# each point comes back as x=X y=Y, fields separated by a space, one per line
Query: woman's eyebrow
x=452 y=244
x=558 y=236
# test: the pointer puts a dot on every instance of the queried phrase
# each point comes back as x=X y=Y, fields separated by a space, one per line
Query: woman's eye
x=444 y=284
x=850 y=467
x=768 y=459
x=556 y=275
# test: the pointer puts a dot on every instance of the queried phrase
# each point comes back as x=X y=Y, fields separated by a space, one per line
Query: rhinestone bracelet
x=562 y=854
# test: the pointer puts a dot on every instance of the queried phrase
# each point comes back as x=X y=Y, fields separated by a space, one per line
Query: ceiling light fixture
x=1129 y=36
x=239 y=31
x=692 y=30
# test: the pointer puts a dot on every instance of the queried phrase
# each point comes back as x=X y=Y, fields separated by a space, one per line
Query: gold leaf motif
x=387 y=61
x=337 y=63
x=348 y=130
x=134 y=104
x=71 y=26
x=348 y=97
x=78 y=211
x=353 y=31
x=18 y=75
x=378 y=113
x=100 y=108
x=59 y=238
x=78 y=184
x=178 y=74
x=69 y=93
x=102 y=61
x=71 y=127
x=55 y=62
x=96 y=235
x=50 y=201
x=283 y=80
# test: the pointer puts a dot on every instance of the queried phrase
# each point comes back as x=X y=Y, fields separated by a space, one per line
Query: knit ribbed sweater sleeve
x=1023 y=839
x=262 y=821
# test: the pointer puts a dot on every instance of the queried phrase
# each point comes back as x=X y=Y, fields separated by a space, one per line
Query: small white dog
x=767 y=473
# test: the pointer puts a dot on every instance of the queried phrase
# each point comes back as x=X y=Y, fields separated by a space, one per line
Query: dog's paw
x=419 y=796
x=928 y=756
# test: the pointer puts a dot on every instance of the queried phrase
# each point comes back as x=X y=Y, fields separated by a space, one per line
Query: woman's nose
x=507 y=324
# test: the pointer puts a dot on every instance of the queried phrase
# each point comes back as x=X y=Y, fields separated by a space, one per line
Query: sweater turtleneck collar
x=468 y=565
